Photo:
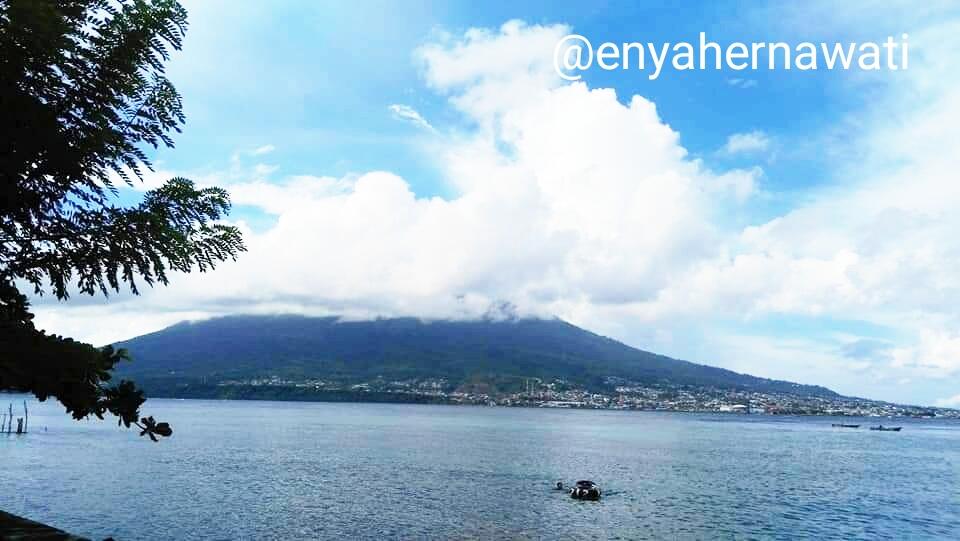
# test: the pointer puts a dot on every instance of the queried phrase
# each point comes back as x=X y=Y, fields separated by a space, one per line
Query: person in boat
x=585 y=490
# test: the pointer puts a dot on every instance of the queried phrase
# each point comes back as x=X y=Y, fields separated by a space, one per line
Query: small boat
x=585 y=490
x=841 y=425
x=882 y=428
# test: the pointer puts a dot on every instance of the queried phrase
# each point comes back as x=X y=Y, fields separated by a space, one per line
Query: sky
x=425 y=159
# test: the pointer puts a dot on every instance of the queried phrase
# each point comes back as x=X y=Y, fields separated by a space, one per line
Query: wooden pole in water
x=10 y=422
x=26 y=417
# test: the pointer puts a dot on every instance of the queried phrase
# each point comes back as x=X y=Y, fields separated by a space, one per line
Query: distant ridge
x=490 y=351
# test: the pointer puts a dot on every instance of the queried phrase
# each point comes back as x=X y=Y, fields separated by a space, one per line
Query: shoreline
x=16 y=528
x=335 y=397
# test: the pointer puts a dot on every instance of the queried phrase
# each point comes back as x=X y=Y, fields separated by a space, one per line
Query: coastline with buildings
x=617 y=394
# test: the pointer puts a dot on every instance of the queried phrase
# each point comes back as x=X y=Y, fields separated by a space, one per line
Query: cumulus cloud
x=878 y=246
x=951 y=402
x=574 y=201
x=490 y=72
x=744 y=143
x=937 y=353
x=409 y=114
x=574 y=210
x=265 y=149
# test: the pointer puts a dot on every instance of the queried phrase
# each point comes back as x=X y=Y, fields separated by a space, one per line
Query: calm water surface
x=281 y=470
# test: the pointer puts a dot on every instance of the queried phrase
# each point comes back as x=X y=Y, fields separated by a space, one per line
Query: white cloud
x=409 y=114
x=575 y=213
x=297 y=192
x=490 y=72
x=569 y=199
x=571 y=202
x=951 y=402
x=742 y=83
x=879 y=246
x=148 y=180
x=265 y=149
x=937 y=353
x=744 y=143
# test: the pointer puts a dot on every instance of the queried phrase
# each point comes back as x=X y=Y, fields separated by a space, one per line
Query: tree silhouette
x=82 y=96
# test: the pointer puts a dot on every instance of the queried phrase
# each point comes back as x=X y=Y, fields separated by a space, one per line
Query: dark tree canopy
x=83 y=97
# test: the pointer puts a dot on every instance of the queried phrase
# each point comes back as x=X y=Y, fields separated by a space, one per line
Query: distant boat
x=841 y=425
x=882 y=428
x=585 y=490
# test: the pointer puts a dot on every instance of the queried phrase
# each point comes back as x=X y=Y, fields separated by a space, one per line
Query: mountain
x=496 y=353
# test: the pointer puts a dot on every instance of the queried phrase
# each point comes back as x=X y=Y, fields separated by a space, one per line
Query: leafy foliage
x=82 y=95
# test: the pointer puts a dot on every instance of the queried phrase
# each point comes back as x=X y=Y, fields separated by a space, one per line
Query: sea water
x=287 y=470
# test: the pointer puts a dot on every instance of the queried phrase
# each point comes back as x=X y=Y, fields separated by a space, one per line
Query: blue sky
x=795 y=276
x=317 y=79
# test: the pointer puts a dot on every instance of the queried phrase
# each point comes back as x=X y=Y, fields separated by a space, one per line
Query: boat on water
x=841 y=425
x=585 y=490
x=882 y=428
